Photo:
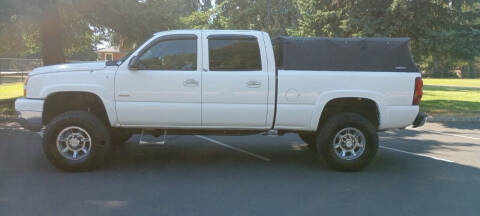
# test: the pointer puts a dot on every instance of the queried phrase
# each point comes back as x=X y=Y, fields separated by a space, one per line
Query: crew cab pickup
x=336 y=93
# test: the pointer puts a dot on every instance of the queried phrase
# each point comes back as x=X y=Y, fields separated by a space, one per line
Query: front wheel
x=76 y=141
x=347 y=142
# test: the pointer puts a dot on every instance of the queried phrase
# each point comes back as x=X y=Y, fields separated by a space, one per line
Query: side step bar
x=146 y=140
x=152 y=142
x=270 y=133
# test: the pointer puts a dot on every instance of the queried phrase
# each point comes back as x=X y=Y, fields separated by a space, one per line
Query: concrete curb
x=453 y=119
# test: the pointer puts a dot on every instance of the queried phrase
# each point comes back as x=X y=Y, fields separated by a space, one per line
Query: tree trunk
x=471 y=68
x=51 y=34
x=436 y=67
x=476 y=68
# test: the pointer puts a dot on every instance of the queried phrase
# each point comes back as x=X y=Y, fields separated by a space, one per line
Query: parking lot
x=432 y=170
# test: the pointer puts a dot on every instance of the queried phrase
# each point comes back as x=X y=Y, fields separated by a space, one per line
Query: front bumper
x=420 y=120
x=29 y=113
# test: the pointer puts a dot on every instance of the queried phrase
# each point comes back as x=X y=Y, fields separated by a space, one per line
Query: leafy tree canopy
x=445 y=34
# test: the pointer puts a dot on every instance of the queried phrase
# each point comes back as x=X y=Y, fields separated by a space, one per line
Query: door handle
x=190 y=83
x=253 y=84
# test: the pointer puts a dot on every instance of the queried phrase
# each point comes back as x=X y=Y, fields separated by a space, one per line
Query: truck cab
x=202 y=79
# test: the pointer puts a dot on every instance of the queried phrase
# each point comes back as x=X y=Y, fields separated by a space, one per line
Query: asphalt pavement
x=433 y=170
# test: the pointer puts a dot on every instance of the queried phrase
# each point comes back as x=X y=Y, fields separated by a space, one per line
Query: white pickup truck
x=336 y=93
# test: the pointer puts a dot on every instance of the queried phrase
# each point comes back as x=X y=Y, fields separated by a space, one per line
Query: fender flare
x=84 y=88
x=324 y=98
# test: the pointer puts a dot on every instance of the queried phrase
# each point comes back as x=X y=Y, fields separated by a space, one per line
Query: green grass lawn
x=450 y=100
x=7 y=91
x=452 y=82
x=11 y=90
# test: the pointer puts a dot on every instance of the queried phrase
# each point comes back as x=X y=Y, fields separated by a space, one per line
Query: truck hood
x=84 y=66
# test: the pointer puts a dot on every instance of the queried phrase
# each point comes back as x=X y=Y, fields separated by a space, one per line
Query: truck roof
x=206 y=30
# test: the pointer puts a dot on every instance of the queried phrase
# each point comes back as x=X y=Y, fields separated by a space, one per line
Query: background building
x=112 y=53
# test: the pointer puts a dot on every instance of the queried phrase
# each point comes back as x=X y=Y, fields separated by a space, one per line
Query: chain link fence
x=16 y=70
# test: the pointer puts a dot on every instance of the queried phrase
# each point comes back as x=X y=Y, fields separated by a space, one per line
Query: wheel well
x=59 y=103
x=363 y=106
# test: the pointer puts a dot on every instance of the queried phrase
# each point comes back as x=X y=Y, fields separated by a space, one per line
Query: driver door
x=165 y=90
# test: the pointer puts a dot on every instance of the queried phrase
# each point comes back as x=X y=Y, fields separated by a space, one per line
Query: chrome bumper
x=29 y=113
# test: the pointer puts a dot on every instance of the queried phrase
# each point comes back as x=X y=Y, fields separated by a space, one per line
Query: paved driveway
x=434 y=170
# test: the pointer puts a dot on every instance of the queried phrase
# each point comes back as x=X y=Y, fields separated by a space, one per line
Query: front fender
x=100 y=83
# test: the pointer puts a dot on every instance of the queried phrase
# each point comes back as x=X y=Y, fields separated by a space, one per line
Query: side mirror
x=134 y=63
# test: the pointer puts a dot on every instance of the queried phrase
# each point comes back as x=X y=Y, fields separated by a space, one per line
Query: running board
x=153 y=142
x=270 y=133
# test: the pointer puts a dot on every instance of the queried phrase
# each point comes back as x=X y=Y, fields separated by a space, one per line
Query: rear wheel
x=347 y=142
x=76 y=141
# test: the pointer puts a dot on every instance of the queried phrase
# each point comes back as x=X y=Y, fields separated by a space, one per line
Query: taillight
x=417 y=94
x=25 y=87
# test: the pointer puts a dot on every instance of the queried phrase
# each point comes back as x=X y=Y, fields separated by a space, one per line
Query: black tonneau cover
x=343 y=54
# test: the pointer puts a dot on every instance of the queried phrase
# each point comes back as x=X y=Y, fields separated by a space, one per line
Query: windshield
x=121 y=60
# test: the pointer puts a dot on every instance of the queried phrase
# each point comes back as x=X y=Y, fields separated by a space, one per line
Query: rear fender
x=325 y=97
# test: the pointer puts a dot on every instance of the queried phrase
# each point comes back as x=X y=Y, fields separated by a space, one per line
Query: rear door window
x=227 y=53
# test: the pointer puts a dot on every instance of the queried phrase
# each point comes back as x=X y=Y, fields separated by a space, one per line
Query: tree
x=135 y=21
x=48 y=29
x=272 y=16
x=322 y=18
x=51 y=33
x=443 y=32
x=6 y=13
x=19 y=34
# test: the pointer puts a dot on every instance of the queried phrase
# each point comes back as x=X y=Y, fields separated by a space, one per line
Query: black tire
x=310 y=140
x=328 y=131
x=119 y=136
x=96 y=129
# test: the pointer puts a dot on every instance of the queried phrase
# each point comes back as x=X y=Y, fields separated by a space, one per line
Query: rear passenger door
x=235 y=81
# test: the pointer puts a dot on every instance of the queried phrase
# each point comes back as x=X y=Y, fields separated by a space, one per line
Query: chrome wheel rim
x=74 y=143
x=349 y=143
